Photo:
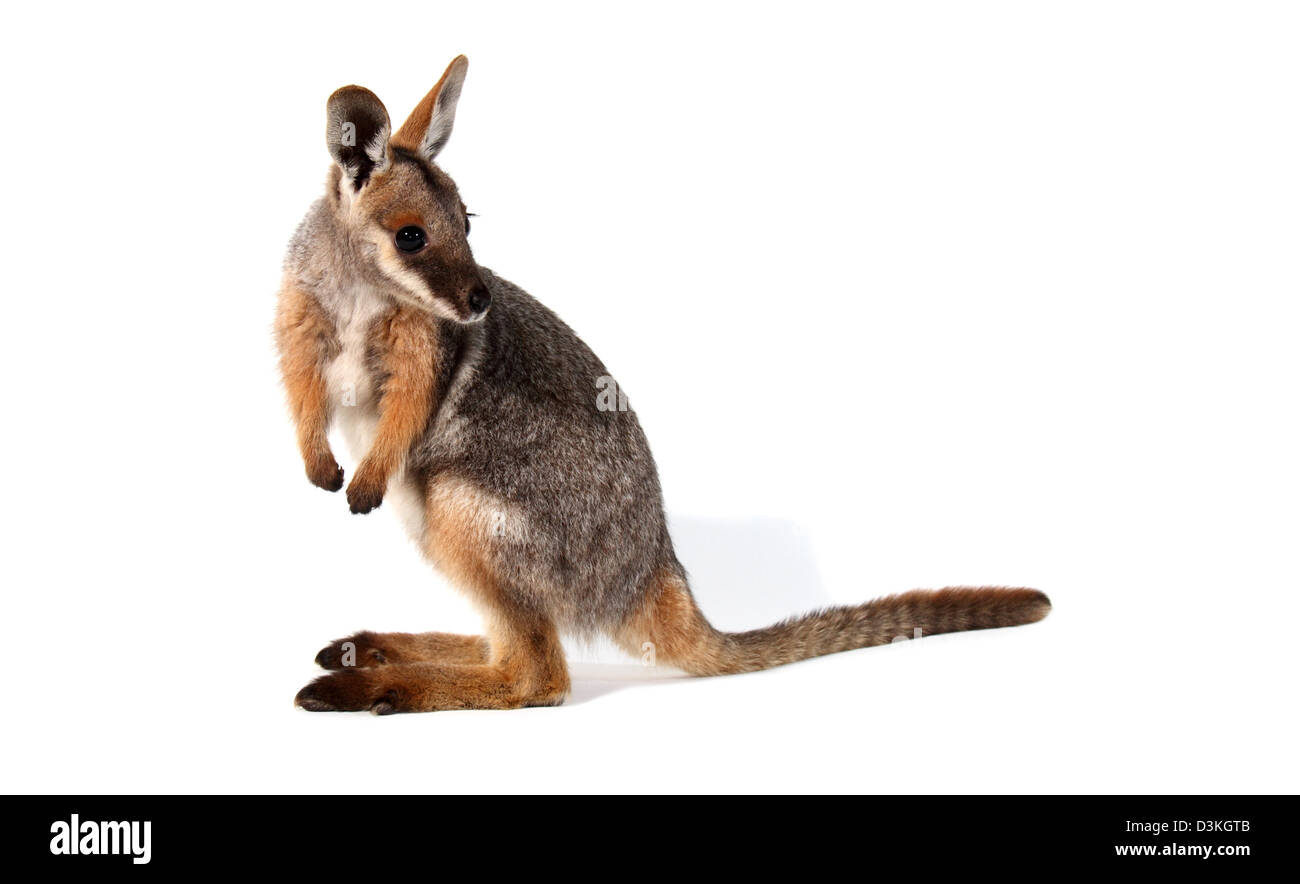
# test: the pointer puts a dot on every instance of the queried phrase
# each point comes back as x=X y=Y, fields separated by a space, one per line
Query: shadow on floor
x=748 y=573
x=592 y=680
x=744 y=573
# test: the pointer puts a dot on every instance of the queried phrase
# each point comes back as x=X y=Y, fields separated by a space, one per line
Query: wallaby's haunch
x=474 y=410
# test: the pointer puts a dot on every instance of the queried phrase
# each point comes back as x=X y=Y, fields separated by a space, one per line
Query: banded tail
x=682 y=637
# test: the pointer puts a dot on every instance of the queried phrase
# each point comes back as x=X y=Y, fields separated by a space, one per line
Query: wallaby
x=481 y=416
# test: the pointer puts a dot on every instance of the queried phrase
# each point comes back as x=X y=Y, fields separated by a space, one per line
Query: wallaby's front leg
x=305 y=337
x=407 y=340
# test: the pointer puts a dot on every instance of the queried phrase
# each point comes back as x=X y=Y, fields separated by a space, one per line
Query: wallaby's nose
x=479 y=298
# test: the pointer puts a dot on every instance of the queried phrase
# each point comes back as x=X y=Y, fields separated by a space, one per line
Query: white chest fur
x=355 y=401
x=352 y=392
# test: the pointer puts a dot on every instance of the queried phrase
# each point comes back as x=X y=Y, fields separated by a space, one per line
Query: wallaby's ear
x=356 y=132
x=428 y=127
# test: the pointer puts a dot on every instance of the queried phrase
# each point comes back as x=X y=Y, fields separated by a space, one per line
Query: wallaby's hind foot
x=521 y=665
x=369 y=649
x=431 y=687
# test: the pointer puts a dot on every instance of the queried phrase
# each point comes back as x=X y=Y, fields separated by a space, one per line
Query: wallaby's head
x=402 y=211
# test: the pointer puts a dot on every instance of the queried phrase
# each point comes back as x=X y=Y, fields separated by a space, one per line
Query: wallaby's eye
x=468 y=215
x=410 y=239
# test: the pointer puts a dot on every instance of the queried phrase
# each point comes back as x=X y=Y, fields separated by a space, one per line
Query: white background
x=905 y=294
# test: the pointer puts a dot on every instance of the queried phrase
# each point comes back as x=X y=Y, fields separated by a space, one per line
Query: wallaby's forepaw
x=359 y=651
x=325 y=472
x=353 y=690
x=366 y=490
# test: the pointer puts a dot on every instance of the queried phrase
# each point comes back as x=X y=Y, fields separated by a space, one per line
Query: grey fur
x=522 y=423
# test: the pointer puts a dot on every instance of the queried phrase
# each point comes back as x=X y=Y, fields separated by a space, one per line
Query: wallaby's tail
x=678 y=634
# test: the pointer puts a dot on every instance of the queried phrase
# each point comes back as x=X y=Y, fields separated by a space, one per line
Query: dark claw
x=307 y=699
x=361 y=503
x=330 y=657
x=363 y=652
x=387 y=704
x=345 y=690
x=324 y=479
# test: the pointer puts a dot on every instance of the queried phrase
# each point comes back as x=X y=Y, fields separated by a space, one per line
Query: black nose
x=480 y=298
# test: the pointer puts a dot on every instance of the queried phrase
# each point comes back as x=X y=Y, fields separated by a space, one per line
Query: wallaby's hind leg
x=526 y=668
x=368 y=649
x=525 y=664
